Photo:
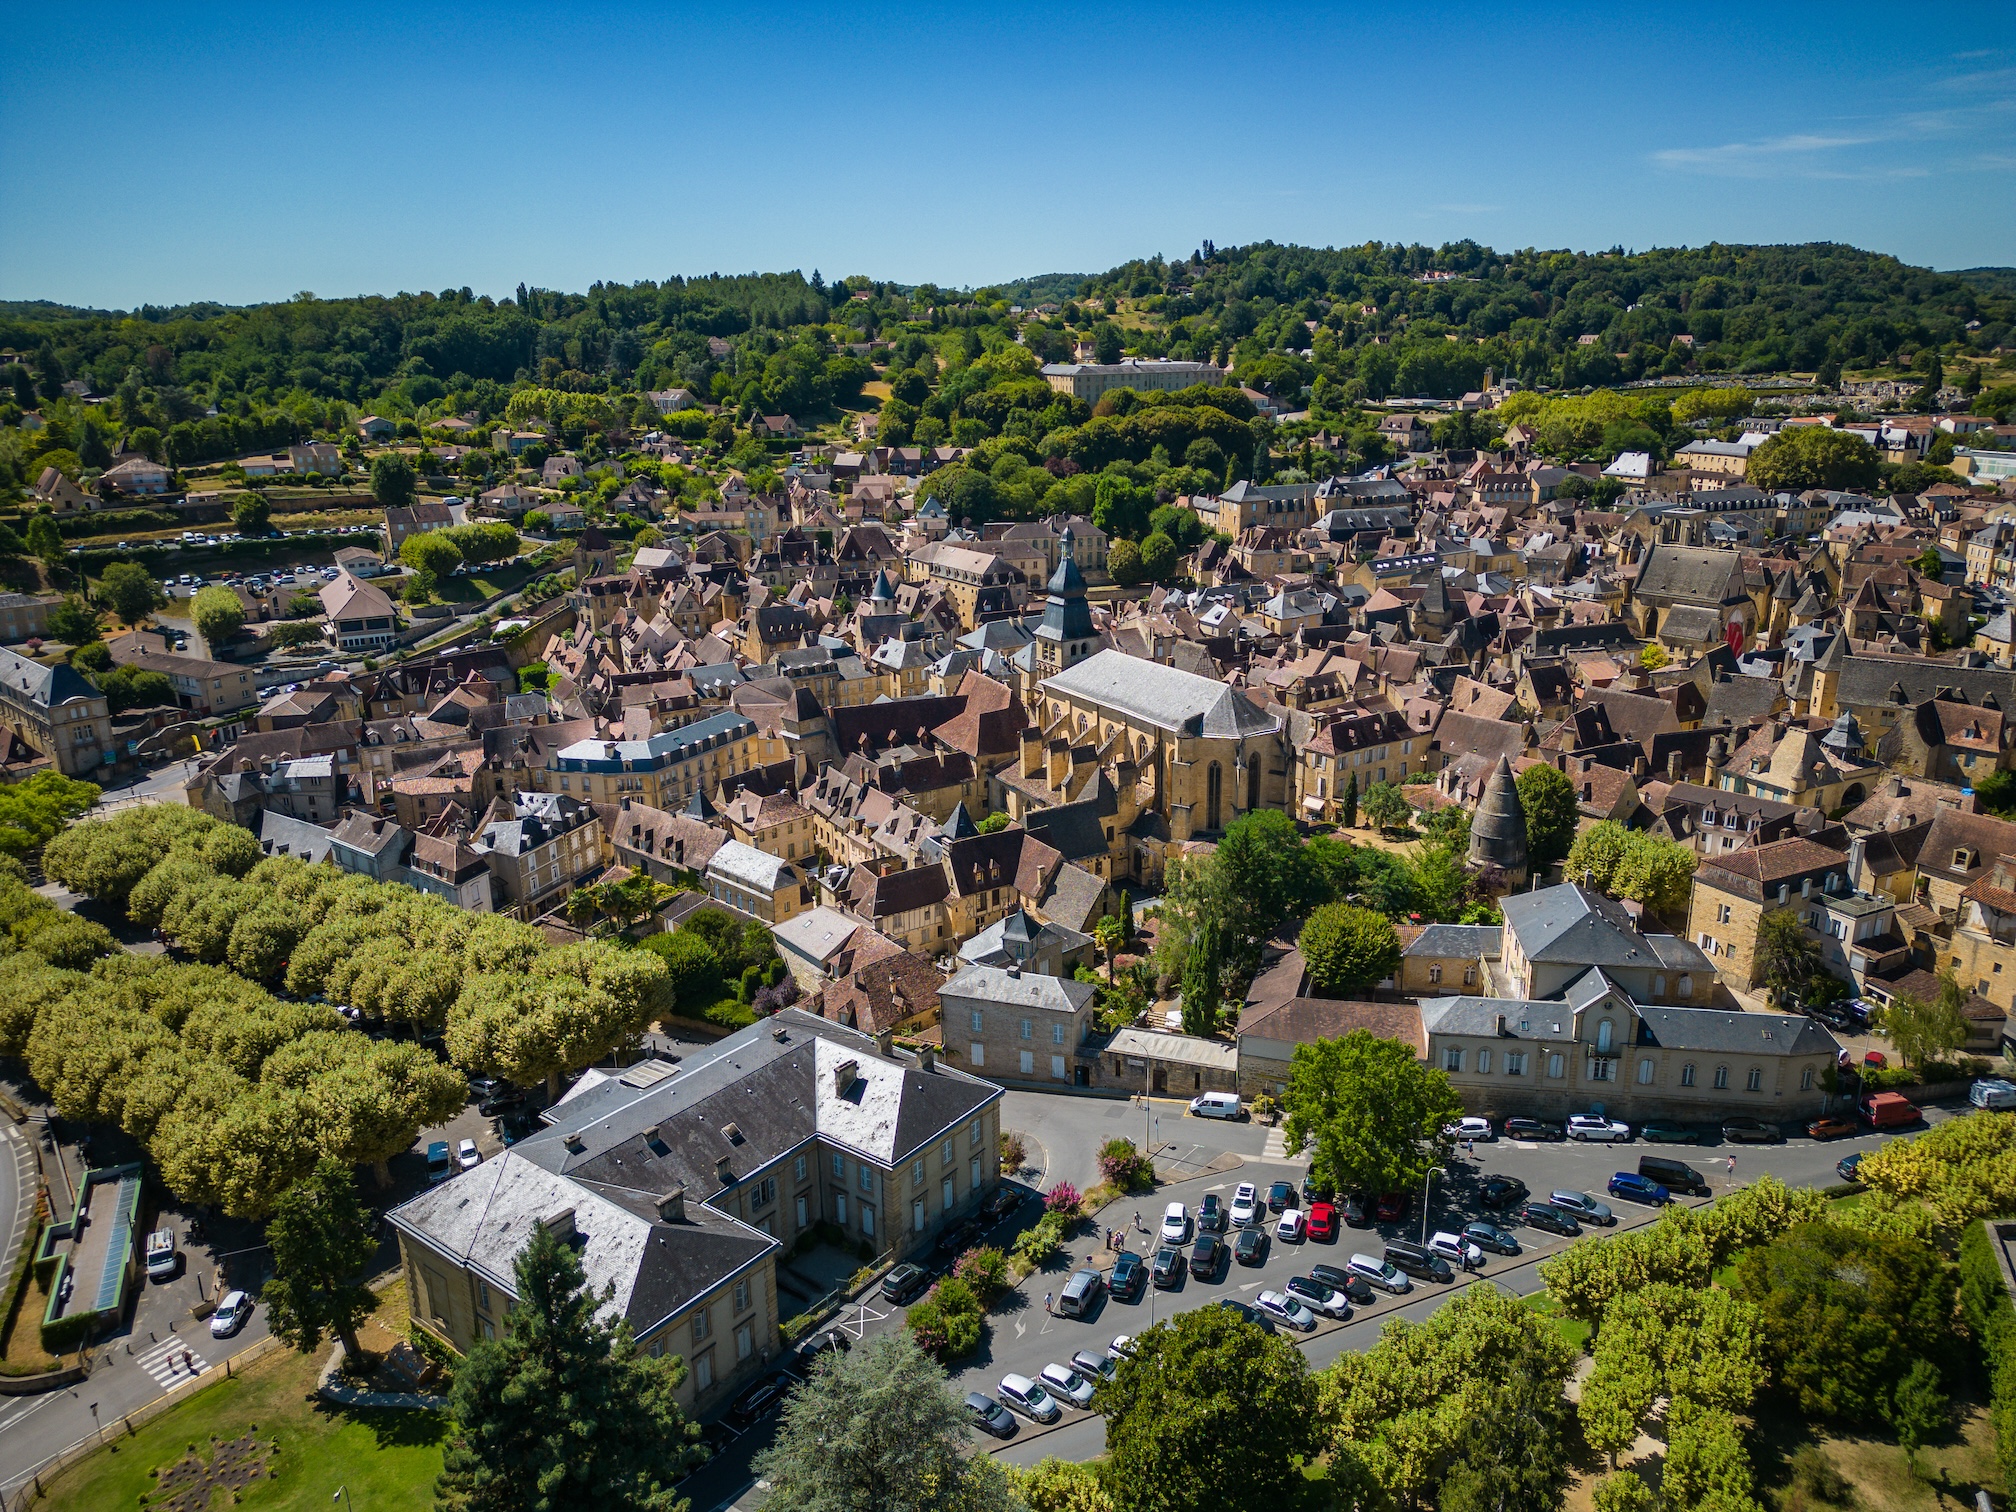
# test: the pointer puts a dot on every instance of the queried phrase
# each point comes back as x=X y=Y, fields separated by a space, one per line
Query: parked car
x=230 y=1315
x=1020 y=1394
x=989 y=1416
x=760 y=1398
x=1211 y=1214
x=1875 y=1060
x=1751 y=1131
x=1250 y=1248
x=1849 y=1167
x=1582 y=1207
x=163 y=1259
x=1501 y=1192
x=1122 y=1347
x=904 y=1282
x=1095 y=1367
x=1531 y=1128
x=1285 y=1309
x=1491 y=1237
x=467 y=1156
x=1470 y=1128
x=1457 y=1250
x=1080 y=1297
x=1130 y=1274
x=1668 y=1133
x=1245 y=1204
x=1831 y=1127
x=1217 y=1105
x=1167 y=1268
x=440 y=1162
x=1992 y=1093
x=1322 y=1221
x=1354 y=1287
x=1635 y=1188
x=1004 y=1199
x=1206 y=1256
x=1175 y=1223
x=1593 y=1126
x=1065 y=1384
x=1380 y=1273
x=1281 y=1196
x=1318 y=1297
x=1289 y=1230
x=1543 y=1215
x=1392 y=1206
x=960 y=1238
x=1357 y=1211
x=829 y=1345
x=1252 y=1315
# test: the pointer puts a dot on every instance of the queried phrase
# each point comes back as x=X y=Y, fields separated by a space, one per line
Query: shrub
x=1014 y=1153
x=947 y=1323
x=1064 y=1198
x=1125 y=1166
x=985 y=1270
x=1041 y=1240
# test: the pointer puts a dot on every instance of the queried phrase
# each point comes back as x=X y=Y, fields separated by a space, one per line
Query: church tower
x=1066 y=636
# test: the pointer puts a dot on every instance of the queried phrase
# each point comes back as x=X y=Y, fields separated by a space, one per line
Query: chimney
x=1855 y=849
x=1970 y=803
x=844 y=1076
x=672 y=1206
x=1640 y=768
x=559 y=1223
x=1896 y=785
x=722 y=1173
x=885 y=1042
x=1501 y=1024
x=927 y=1060
x=1674 y=771
x=574 y=1143
x=1059 y=762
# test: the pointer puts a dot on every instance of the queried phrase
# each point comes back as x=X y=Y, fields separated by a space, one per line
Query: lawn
x=1948 y=1472
x=304 y=1448
x=1575 y=1332
x=491 y=580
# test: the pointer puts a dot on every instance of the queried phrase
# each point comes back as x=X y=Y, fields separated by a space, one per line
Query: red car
x=1322 y=1221
x=1875 y=1060
x=1392 y=1206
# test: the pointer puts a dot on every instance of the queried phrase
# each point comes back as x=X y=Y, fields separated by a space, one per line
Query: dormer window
x=1963 y=858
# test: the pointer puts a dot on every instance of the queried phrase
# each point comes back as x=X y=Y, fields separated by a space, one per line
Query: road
x=1022 y=1338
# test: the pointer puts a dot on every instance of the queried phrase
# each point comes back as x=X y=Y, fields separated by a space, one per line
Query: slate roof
x=1450 y=940
x=1690 y=575
x=1877 y=679
x=1478 y=1017
x=45 y=687
x=663 y=749
x=996 y=984
x=1304 y=1020
x=1722 y=1031
x=1569 y=924
x=1166 y=697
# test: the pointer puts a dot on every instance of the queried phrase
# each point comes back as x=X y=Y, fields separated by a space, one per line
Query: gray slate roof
x=993 y=984
x=1723 y=1031
x=45 y=687
x=1449 y=940
x=1569 y=925
x=1181 y=702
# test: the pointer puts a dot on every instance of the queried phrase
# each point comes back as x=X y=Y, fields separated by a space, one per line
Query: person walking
x=1732 y=1169
x=1046 y=1304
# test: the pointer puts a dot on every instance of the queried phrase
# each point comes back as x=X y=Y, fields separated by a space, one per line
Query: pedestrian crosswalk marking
x=165 y=1363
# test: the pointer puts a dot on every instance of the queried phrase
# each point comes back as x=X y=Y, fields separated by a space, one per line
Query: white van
x=1217 y=1105
x=1993 y=1094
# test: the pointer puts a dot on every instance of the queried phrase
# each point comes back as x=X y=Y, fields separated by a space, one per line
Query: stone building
x=57 y=713
x=1498 y=832
x=1733 y=892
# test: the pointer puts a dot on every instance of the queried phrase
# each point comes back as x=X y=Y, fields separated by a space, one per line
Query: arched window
x=1687 y=1074
x=1253 y=784
x=1721 y=1078
x=1604 y=1033
x=1686 y=986
x=1754 y=1082
x=1214 y=783
x=1645 y=1072
x=1658 y=988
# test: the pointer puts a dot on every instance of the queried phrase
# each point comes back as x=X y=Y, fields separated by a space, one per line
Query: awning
x=1314 y=805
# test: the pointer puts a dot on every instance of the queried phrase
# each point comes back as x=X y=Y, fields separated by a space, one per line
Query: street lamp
x=342 y=1494
x=1426 y=1181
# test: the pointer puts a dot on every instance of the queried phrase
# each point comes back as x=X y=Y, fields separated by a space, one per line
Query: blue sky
x=172 y=152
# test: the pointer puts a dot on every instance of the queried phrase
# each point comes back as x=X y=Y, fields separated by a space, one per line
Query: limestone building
x=1498 y=832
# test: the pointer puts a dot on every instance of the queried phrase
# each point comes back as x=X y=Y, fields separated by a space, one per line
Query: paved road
x=1022 y=1338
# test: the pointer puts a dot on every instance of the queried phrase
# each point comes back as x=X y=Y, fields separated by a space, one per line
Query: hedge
x=1992 y=1320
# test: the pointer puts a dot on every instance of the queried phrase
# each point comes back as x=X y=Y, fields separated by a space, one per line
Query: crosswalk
x=1276 y=1147
x=165 y=1362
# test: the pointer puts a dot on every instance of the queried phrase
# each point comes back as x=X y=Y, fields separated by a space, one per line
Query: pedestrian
x=1467 y=1150
x=1046 y=1304
x=1732 y=1167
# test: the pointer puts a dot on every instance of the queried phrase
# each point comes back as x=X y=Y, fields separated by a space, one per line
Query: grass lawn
x=492 y=580
x=388 y=1458
x=1575 y=1332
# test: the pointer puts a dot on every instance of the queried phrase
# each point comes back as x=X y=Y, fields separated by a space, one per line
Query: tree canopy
x=1367 y=1111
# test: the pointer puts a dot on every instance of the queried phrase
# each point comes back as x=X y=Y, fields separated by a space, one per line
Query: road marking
x=1020 y=1328
x=1219 y=1187
x=165 y=1364
x=1251 y=1285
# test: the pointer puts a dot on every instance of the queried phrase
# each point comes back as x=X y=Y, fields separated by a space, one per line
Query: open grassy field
x=290 y=1449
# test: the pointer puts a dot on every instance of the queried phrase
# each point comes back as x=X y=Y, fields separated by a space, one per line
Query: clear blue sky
x=171 y=152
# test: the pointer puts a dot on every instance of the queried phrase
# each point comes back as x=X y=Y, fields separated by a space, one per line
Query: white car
x=1595 y=1127
x=1122 y=1347
x=1459 y=1251
x=1286 y=1309
x=1289 y=1229
x=1063 y=1381
x=1470 y=1128
x=1379 y=1273
x=230 y=1315
x=1246 y=1205
x=1020 y=1394
x=1175 y=1223
x=467 y=1156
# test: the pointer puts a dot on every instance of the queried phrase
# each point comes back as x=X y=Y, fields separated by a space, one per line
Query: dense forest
x=1327 y=330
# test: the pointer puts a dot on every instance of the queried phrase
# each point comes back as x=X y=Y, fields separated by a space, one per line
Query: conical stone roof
x=1498 y=832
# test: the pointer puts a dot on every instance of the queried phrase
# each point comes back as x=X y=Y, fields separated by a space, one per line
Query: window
x=1452 y=1060
x=1056 y=1034
x=1721 y=1078
x=703 y=1371
x=1806 y=1080
x=840 y=1208
x=1555 y=1065
x=1721 y=913
x=917 y=1169
x=867 y=1220
x=745 y=1341
x=1469 y=976
x=839 y=1167
x=973 y=1175
x=741 y=1298
x=803 y=1212
x=798 y=1168
x=1658 y=986
x=946 y=1193
x=1028 y=1029
x=867 y=1177
x=1645 y=1072
x=1515 y=1062
x=764 y=1193
x=1686 y=986
x=973 y=1134
x=701 y=1325
x=1605 y=1031
x=945 y=1152
x=978 y=1053
x=1057 y=1071
x=979 y=1021
x=1754 y=1082
x=1028 y=1063
x=917 y=1216
x=1602 y=1070
x=1434 y=973
x=1483 y=1061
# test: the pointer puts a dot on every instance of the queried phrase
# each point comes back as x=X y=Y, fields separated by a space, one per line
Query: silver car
x=1581 y=1206
x=1062 y=1381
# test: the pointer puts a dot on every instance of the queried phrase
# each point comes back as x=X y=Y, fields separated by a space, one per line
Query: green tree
x=131 y=591
x=877 y=1428
x=1930 y=563
x=322 y=1244
x=1918 y=1409
x=1158 y=556
x=45 y=540
x=1548 y=798
x=430 y=552
x=562 y=1412
x=1123 y=563
x=218 y=614
x=1624 y=1491
x=1513 y=1456
x=130 y=688
x=74 y=622
x=1204 y=980
x=393 y=484
x=1812 y=456
x=252 y=515
x=1922 y=1029
x=1368 y=1111
x=1351 y=801
x=1785 y=955
x=1386 y=807
x=34 y=811
x=1631 y=864
x=1110 y=935
x=1208 y=1413
x=1055 y=1485
x=1348 y=948
x=1106 y=345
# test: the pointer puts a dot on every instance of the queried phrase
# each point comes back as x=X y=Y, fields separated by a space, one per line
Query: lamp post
x=1426 y=1182
x=342 y=1494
